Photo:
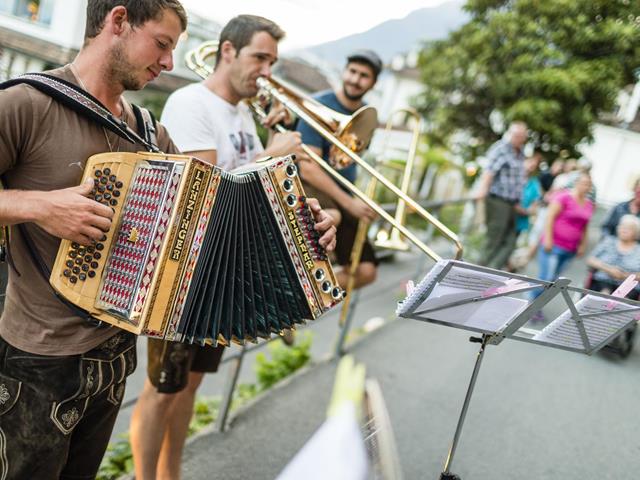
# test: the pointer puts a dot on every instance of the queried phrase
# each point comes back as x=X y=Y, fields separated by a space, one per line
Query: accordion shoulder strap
x=5 y=235
x=83 y=103
x=146 y=124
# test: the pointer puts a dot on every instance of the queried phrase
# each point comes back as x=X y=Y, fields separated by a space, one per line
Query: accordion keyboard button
x=69 y=263
x=73 y=279
x=119 y=184
x=75 y=270
x=82 y=277
x=107 y=171
x=113 y=202
x=98 y=173
x=112 y=178
x=104 y=180
x=110 y=186
x=91 y=273
x=99 y=246
x=291 y=170
x=97 y=255
x=94 y=264
x=88 y=258
x=107 y=196
x=67 y=273
x=85 y=267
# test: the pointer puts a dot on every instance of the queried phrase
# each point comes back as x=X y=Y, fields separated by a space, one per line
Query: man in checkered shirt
x=501 y=188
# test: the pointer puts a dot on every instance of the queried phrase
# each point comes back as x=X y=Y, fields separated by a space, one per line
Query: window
x=6 y=6
x=38 y=11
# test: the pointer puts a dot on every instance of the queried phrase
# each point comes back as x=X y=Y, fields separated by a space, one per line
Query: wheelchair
x=622 y=345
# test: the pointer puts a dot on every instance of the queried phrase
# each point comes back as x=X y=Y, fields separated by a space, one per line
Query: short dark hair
x=138 y=13
x=240 y=30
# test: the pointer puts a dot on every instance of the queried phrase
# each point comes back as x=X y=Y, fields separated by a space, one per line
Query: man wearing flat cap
x=359 y=76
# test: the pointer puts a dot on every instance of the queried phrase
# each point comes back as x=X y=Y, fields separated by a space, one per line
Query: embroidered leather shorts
x=57 y=413
x=169 y=363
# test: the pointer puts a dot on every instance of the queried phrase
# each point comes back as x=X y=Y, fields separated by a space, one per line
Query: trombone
x=298 y=103
x=384 y=239
x=392 y=239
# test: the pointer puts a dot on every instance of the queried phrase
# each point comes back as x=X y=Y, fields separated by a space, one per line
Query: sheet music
x=470 y=280
x=461 y=283
x=336 y=451
x=564 y=331
x=417 y=292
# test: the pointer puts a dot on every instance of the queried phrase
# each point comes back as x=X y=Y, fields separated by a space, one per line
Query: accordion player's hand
x=70 y=215
x=324 y=225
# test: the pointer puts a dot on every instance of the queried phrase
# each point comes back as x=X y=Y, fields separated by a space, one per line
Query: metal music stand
x=579 y=329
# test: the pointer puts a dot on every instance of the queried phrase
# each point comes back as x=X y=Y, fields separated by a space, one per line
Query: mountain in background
x=396 y=36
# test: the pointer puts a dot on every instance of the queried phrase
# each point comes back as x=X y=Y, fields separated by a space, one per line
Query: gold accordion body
x=196 y=254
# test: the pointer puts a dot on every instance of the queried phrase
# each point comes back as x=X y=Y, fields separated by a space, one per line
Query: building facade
x=37 y=35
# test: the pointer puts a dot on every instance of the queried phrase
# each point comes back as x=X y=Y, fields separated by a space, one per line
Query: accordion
x=196 y=254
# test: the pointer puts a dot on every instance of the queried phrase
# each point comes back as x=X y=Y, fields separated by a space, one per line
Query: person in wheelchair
x=611 y=262
x=615 y=258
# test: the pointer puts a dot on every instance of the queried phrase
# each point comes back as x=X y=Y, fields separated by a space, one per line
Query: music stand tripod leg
x=446 y=473
x=344 y=330
x=230 y=387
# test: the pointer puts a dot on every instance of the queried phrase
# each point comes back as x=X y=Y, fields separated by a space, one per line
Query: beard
x=121 y=71
x=350 y=96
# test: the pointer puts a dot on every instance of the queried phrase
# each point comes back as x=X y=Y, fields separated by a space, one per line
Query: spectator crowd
x=541 y=211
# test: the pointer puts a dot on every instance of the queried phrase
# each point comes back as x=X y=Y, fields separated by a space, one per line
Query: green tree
x=556 y=64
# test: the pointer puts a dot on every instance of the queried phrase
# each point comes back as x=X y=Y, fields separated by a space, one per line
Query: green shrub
x=284 y=360
x=117 y=460
x=205 y=412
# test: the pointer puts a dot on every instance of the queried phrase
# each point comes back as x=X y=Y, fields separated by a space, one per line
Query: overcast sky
x=309 y=22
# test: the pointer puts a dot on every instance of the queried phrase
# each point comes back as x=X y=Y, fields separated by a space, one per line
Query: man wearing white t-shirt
x=217 y=131
x=209 y=120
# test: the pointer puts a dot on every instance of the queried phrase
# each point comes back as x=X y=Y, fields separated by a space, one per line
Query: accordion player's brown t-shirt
x=44 y=146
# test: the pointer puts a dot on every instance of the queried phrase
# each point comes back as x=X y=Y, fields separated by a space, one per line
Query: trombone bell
x=355 y=134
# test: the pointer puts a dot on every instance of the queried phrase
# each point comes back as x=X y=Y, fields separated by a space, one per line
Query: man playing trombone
x=209 y=120
x=359 y=77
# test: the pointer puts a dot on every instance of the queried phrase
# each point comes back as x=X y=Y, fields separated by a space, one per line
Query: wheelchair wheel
x=626 y=341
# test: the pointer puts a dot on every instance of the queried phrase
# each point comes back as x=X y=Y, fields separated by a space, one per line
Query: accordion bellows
x=196 y=254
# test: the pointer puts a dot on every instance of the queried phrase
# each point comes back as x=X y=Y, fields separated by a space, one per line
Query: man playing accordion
x=61 y=378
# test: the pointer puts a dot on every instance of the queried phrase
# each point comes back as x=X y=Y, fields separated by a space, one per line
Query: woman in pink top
x=565 y=233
